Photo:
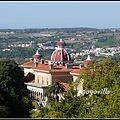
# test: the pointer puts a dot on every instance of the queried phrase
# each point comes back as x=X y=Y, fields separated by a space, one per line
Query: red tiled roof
x=31 y=64
x=77 y=72
x=32 y=81
x=66 y=85
x=42 y=67
x=28 y=64
x=29 y=80
x=46 y=67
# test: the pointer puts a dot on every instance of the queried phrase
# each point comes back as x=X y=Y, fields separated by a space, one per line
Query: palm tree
x=54 y=89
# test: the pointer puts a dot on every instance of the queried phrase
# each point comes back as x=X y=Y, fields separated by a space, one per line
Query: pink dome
x=60 y=55
x=37 y=55
x=88 y=60
x=61 y=43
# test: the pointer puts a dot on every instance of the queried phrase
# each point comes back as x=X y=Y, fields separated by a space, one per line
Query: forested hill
x=37 y=30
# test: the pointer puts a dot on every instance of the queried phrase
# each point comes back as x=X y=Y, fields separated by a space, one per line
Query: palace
x=40 y=73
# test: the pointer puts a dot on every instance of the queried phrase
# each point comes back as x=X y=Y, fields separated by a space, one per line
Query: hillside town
x=106 y=51
x=79 y=43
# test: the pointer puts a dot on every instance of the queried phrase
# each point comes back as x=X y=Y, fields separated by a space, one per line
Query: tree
x=12 y=90
x=102 y=90
x=54 y=89
x=69 y=107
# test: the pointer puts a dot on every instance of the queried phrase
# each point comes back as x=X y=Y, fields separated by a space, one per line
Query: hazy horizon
x=59 y=14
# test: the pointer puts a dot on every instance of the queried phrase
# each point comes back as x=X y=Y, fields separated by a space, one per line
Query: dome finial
x=37 y=55
x=37 y=52
x=60 y=40
x=88 y=58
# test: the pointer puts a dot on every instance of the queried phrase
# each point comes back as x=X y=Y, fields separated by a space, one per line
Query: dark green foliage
x=4 y=111
x=116 y=58
x=53 y=90
x=18 y=53
x=25 y=53
x=108 y=42
x=12 y=90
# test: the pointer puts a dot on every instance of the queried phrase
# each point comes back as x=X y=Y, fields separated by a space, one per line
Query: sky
x=59 y=14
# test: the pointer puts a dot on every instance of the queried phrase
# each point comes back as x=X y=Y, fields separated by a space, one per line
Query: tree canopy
x=53 y=90
x=13 y=102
